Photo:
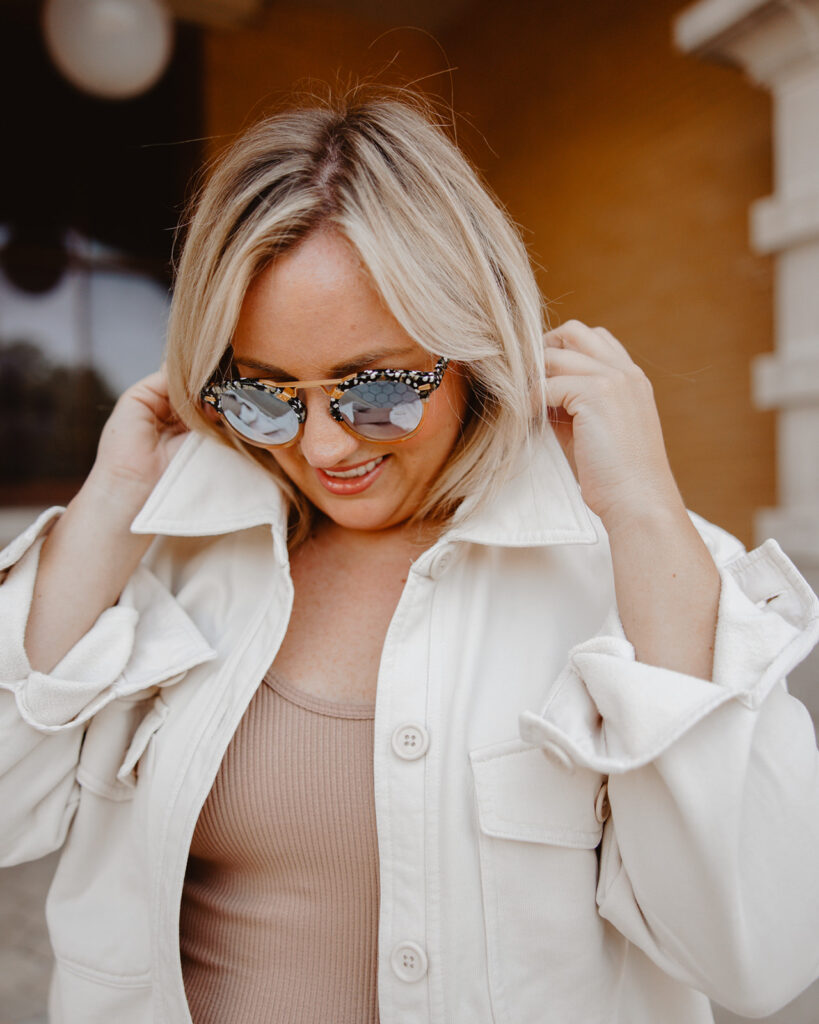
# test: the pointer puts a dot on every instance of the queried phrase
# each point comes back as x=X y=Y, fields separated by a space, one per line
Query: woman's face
x=313 y=314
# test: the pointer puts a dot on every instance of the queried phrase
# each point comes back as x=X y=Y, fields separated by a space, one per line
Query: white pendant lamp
x=115 y=49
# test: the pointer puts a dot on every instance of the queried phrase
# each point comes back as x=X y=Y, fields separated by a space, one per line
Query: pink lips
x=351 y=485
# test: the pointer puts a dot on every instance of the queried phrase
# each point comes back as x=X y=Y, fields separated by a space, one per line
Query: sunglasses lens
x=258 y=416
x=381 y=410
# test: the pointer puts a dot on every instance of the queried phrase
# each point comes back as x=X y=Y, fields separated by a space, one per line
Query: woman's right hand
x=140 y=438
x=90 y=552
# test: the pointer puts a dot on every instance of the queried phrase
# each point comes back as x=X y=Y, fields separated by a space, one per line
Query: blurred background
x=662 y=161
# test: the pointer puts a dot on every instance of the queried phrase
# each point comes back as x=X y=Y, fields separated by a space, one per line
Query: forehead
x=314 y=309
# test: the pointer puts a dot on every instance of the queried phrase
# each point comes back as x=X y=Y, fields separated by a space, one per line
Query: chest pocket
x=539 y=824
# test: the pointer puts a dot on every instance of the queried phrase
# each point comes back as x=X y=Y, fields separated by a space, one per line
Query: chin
x=352 y=515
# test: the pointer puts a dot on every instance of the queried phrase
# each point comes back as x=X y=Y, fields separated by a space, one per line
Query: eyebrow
x=339 y=370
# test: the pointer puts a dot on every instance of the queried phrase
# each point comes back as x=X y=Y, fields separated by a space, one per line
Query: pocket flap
x=122 y=725
x=147 y=727
x=523 y=795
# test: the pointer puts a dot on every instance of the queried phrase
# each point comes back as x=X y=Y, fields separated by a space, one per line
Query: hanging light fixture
x=115 y=49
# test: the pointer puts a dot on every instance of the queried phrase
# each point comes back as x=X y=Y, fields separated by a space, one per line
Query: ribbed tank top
x=279 y=917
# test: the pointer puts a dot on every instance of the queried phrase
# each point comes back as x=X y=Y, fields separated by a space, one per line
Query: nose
x=324 y=442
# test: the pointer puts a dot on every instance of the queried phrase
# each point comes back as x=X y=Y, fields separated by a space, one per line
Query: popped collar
x=210 y=488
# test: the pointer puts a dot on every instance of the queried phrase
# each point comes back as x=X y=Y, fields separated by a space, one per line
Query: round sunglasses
x=383 y=406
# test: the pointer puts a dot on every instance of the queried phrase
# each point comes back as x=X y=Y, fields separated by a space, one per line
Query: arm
x=708 y=862
x=81 y=625
x=708 y=859
x=86 y=560
x=90 y=553
x=41 y=735
x=667 y=588
x=604 y=416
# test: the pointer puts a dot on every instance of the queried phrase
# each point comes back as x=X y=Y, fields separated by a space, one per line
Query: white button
x=410 y=741
x=441 y=561
x=439 y=564
x=601 y=805
x=409 y=961
x=557 y=755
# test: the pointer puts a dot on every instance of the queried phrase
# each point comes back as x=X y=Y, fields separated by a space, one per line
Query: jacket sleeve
x=708 y=860
x=145 y=640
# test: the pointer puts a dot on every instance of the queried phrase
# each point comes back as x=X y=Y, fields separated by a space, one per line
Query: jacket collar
x=210 y=488
x=540 y=504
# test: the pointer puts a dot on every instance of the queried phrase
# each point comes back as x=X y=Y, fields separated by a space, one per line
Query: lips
x=352 y=479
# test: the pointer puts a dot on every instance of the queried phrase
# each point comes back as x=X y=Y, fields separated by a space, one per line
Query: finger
x=616 y=346
x=558 y=416
x=577 y=335
x=570 y=361
x=597 y=342
x=570 y=391
x=156 y=381
x=152 y=391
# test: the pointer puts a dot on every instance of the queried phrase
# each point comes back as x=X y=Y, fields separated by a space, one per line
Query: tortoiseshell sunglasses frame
x=423 y=382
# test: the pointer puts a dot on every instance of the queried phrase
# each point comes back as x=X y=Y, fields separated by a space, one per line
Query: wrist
x=113 y=497
x=655 y=512
x=660 y=541
x=98 y=521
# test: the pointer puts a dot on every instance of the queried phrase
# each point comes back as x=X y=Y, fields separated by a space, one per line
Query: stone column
x=776 y=43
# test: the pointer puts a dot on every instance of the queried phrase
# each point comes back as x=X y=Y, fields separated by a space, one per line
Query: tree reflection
x=50 y=419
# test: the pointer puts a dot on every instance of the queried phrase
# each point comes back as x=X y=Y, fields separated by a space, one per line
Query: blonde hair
x=447 y=261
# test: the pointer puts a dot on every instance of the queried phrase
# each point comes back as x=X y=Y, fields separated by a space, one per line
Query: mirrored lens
x=381 y=410
x=258 y=415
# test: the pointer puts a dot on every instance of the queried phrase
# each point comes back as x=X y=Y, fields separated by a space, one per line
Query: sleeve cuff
x=147 y=639
x=611 y=713
x=16 y=548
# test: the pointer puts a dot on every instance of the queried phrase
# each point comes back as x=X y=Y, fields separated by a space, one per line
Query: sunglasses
x=377 y=405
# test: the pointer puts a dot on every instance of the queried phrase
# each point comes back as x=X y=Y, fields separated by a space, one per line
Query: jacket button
x=410 y=741
x=441 y=562
x=601 y=805
x=557 y=756
x=409 y=961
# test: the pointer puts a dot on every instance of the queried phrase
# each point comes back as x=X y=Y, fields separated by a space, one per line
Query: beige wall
x=631 y=169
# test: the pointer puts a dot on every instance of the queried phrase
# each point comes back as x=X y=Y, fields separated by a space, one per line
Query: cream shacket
x=565 y=835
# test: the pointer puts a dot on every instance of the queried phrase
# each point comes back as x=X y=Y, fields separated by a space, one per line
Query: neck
x=413 y=538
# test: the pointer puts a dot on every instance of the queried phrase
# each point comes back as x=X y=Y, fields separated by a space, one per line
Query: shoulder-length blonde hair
x=447 y=261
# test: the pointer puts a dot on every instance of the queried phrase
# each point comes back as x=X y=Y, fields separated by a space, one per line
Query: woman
x=372 y=514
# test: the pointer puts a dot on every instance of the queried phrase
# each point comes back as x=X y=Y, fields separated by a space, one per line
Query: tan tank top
x=279 y=920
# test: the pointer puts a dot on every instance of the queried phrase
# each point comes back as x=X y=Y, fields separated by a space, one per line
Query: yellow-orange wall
x=630 y=168
x=249 y=72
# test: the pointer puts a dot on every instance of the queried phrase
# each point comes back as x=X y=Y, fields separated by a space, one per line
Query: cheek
x=287 y=461
x=442 y=424
x=449 y=412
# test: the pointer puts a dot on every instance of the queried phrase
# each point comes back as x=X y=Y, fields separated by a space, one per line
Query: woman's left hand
x=666 y=583
x=601 y=405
